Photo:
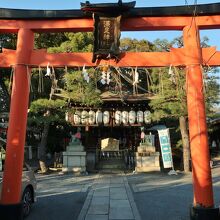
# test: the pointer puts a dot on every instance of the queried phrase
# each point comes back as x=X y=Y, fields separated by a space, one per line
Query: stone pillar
x=74 y=158
x=11 y=189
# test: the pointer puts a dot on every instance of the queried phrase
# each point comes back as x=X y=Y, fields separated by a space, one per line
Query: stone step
x=111 y=171
x=111 y=164
x=111 y=161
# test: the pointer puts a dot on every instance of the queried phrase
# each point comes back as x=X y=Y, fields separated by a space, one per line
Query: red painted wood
x=176 y=57
x=11 y=189
x=202 y=180
x=127 y=24
x=191 y=55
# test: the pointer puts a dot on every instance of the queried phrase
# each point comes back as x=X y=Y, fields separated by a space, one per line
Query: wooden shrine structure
x=188 y=19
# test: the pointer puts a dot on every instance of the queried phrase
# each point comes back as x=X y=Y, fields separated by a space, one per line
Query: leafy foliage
x=75 y=42
x=42 y=105
x=169 y=86
x=4 y=97
x=170 y=100
x=46 y=111
x=78 y=90
x=8 y=41
x=212 y=91
x=128 y=44
x=45 y=40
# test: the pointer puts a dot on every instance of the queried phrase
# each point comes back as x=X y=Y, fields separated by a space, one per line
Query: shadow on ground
x=159 y=196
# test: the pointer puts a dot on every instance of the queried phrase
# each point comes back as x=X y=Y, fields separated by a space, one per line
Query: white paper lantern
x=140 y=117
x=91 y=117
x=118 y=117
x=77 y=117
x=106 y=117
x=98 y=117
x=124 y=117
x=132 y=117
x=84 y=117
x=147 y=117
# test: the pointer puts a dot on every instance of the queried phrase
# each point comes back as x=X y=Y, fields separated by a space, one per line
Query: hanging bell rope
x=149 y=81
x=135 y=81
x=31 y=87
x=48 y=73
x=66 y=70
x=96 y=78
x=118 y=86
x=130 y=81
x=10 y=80
x=29 y=74
x=85 y=74
x=40 y=88
x=132 y=71
x=178 y=83
x=160 y=83
x=205 y=85
x=53 y=83
x=172 y=74
x=42 y=82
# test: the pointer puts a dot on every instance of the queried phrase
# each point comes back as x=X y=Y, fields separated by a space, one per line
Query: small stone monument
x=147 y=159
x=74 y=158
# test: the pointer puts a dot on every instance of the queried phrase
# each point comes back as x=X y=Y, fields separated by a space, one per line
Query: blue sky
x=213 y=35
x=74 y=4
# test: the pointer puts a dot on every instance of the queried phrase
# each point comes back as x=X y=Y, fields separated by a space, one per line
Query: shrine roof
x=188 y=10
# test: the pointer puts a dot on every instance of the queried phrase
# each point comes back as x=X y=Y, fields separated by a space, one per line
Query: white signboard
x=164 y=137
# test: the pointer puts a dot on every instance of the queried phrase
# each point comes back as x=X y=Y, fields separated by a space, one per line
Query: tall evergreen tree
x=44 y=108
x=171 y=100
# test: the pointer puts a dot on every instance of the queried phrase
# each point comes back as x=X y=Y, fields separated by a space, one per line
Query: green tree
x=7 y=41
x=42 y=113
x=76 y=42
x=78 y=90
x=44 y=110
x=45 y=40
x=128 y=44
x=4 y=97
x=170 y=101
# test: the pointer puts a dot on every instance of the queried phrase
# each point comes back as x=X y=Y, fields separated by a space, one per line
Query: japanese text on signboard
x=165 y=148
x=106 y=36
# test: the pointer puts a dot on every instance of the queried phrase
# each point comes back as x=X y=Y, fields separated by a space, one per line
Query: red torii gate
x=192 y=56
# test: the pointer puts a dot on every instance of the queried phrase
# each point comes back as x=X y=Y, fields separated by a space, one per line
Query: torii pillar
x=203 y=205
x=11 y=206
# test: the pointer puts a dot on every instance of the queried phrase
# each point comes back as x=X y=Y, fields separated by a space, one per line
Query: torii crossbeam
x=191 y=56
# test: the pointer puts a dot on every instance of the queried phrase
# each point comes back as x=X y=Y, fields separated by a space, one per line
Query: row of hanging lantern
x=131 y=117
x=120 y=117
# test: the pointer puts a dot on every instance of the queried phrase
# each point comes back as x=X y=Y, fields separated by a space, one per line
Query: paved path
x=110 y=197
x=157 y=196
x=60 y=197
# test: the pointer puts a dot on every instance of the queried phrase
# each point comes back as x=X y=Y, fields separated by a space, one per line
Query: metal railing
x=125 y=155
